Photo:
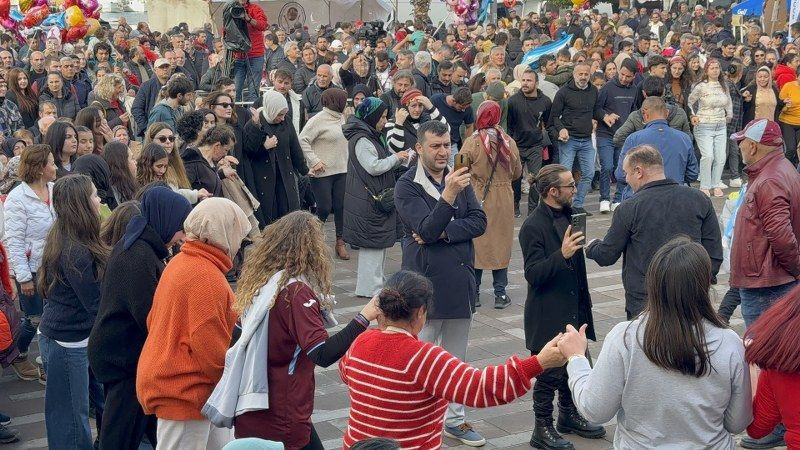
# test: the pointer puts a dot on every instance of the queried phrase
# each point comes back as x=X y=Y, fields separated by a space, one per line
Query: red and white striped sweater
x=400 y=387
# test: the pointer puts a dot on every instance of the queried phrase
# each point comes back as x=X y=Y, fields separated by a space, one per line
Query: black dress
x=275 y=171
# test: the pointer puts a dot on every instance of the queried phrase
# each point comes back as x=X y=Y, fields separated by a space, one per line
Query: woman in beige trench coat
x=485 y=147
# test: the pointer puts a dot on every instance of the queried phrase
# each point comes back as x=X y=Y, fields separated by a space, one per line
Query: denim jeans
x=248 y=71
x=582 y=150
x=609 y=157
x=757 y=300
x=499 y=281
x=712 y=140
x=31 y=306
x=66 y=401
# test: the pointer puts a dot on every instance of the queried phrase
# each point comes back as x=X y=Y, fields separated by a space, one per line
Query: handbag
x=383 y=201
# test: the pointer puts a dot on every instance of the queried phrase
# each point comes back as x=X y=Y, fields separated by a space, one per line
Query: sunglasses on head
x=166 y=138
x=224 y=105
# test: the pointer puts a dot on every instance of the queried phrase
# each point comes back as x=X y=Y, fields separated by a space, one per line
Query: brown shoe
x=341 y=250
x=25 y=370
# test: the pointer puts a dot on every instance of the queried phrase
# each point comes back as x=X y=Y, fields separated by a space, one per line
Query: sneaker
x=465 y=434
x=517 y=212
x=4 y=419
x=25 y=370
x=605 y=206
x=478 y=300
x=501 y=302
x=8 y=435
x=721 y=185
x=735 y=183
x=42 y=374
x=772 y=440
x=614 y=206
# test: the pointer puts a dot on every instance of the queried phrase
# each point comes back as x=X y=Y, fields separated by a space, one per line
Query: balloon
x=67 y=3
x=25 y=5
x=8 y=24
x=73 y=16
x=35 y=16
x=88 y=5
x=75 y=33
x=451 y=3
x=55 y=19
x=577 y=2
x=16 y=15
x=93 y=25
x=5 y=8
x=96 y=13
x=41 y=3
x=58 y=4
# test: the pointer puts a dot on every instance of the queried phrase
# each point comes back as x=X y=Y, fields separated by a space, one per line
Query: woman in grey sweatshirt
x=675 y=377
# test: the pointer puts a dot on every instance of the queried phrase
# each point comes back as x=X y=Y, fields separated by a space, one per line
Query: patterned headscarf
x=488 y=118
x=371 y=110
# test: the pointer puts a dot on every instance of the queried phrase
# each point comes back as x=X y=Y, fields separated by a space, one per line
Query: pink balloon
x=40 y=3
x=451 y=3
x=88 y=6
x=8 y=24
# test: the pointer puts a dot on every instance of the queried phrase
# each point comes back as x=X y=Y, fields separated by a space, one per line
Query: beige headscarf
x=219 y=222
x=273 y=103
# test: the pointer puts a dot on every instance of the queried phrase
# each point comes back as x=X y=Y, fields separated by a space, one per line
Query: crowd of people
x=163 y=237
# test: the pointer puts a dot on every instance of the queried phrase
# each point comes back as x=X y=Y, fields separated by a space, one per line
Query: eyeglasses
x=572 y=186
x=164 y=139
x=224 y=105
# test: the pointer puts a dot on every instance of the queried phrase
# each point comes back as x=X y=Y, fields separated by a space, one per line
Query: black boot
x=546 y=437
x=8 y=435
x=570 y=421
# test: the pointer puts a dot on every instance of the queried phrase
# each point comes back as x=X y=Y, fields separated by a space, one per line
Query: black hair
x=179 y=85
x=189 y=125
x=435 y=127
x=376 y=444
x=223 y=81
x=653 y=87
x=630 y=64
x=656 y=60
x=405 y=292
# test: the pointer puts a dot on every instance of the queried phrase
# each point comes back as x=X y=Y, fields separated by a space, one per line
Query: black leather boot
x=570 y=421
x=546 y=437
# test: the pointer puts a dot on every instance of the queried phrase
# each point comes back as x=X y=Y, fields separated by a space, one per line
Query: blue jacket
x=675 y=146
x=146 y=98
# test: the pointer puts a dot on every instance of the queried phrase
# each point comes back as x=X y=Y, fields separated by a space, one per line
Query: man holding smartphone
x=558 y=295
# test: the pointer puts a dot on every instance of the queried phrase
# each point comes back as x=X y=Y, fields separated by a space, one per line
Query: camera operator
x=247 y=66
x=356 y=70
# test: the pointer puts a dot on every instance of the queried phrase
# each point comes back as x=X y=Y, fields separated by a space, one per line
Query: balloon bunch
x=578 y=5
x=74 y=18
x=466 y=11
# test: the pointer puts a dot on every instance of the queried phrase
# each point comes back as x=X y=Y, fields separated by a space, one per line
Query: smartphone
x=579 y=223
x=462 y=160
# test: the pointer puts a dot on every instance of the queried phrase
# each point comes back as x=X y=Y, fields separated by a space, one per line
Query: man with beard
x=528 y=116
x=442 y=84
x=402 y=81
x=69 y=71
x=312 y=95
x=324 y=54
x=36 y=69
x=170 y=110
x=139 y=66
x=306 y=71
x=558 y=295
x=359 y=73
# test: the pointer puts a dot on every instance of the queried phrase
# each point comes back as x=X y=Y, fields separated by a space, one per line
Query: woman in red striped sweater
x=402 y=394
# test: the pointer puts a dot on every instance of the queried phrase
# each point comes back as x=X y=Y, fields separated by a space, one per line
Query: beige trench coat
x=493 y=248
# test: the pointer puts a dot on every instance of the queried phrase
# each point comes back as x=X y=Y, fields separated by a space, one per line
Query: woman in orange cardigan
x=189 y=328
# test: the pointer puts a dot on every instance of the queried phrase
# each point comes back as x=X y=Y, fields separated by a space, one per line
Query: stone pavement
x=495 y=335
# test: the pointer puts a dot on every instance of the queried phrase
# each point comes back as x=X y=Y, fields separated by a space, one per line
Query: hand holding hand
x=573 y=342
x=27 y=288
x=550 y=356
x=371 y=310
x=571 y=243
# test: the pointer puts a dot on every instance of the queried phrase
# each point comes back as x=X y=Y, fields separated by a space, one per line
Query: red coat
x=256 y=33
x=765 y=250
x=776 y=402
x=783 y=74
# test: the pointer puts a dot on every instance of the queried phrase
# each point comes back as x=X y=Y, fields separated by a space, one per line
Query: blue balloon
x=16 y=15
x=55 y=19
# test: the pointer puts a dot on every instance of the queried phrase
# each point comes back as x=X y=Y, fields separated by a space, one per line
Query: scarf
x=219 y=222
x=163 y=210
x=489 y=131
x=273 y=103
x=334 y=99
x=370 y=111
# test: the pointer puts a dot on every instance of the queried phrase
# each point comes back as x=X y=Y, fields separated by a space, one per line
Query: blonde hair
x=104 y=88
x=176 y=173
x=295 y=243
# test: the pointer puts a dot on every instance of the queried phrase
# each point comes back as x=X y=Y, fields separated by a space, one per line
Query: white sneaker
x=605 y=206
x=721 y=185
x=614 y=206
x=735 y=182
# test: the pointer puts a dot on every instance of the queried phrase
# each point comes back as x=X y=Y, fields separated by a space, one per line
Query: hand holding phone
x=578 y=222
x=461 y=161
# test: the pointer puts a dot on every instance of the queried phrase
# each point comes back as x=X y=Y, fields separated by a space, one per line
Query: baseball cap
x=161 y=62
x=336 y=44
x=763 y=131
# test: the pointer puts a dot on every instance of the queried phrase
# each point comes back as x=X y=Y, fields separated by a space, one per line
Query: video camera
x=371 y=32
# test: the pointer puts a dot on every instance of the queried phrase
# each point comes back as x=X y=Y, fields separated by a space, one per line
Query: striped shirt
x=396 y=133
x=400 y=386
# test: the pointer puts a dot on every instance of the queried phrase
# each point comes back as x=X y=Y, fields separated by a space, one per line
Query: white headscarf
x=273 y=103
x=219 y=222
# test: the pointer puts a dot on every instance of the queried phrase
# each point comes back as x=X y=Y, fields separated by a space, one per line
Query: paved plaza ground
x=495 y=335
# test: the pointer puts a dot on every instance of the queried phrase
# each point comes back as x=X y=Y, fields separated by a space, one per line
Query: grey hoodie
x=675 y=116
x=659 y=408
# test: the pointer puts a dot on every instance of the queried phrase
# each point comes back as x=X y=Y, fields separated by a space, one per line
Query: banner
x=794 y=11
x=551 y=48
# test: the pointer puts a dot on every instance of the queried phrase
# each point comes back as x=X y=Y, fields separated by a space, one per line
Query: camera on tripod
x=371 y=32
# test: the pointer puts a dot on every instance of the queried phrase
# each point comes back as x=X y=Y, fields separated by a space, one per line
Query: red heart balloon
x=75 y=33
x=5 y=8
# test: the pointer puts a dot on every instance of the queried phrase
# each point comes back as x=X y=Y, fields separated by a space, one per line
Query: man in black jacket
x=528 y=114
x=441 y=216
x=558 y=294
x=306 y=71
x=312 y=96
x=147 y=95
x=660 y=210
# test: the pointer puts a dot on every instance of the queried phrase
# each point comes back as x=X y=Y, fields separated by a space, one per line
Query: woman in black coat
x=276 y=160
x=757 y=94
x=120 y=328
x=201 y=162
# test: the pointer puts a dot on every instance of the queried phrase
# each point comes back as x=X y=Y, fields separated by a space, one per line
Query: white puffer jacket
x=27 y=221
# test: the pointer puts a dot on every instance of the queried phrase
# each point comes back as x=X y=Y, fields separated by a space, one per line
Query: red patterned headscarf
x=487 y=124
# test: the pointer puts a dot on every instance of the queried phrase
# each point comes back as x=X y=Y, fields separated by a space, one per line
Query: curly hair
x=104 y=88
x=295 y=243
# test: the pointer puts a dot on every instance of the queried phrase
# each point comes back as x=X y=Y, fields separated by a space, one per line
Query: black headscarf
x=8 y=146
x=97 y=169
x=162 y=210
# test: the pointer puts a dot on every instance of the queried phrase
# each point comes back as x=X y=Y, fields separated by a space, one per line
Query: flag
x=748 y=8
x=551 y=48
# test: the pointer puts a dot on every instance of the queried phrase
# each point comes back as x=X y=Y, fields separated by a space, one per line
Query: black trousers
x=791 y=137
x=124 y=421
x=315 y=443
x=329 y=195
x=544 y=391
x=532 y=160
x=729 y=303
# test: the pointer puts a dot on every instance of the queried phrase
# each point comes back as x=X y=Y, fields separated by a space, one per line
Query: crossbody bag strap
x=491 y=177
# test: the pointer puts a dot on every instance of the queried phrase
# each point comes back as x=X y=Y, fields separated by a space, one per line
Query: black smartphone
x=579 y=223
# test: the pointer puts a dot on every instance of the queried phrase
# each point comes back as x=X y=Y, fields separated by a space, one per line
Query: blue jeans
x=609 y=157
x=712 y=140
x=582 y=150
x=499 y=281
x=31 y=306
x=248 y=71
x=66 y=401
x=757 y=300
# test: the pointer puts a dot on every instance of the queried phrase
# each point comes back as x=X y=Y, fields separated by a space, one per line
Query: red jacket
x=783 y=74
x=776 y=402
x=256 y=33
x=765 y=250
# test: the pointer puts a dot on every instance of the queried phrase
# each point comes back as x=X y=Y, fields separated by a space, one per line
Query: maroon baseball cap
x=763 y=131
